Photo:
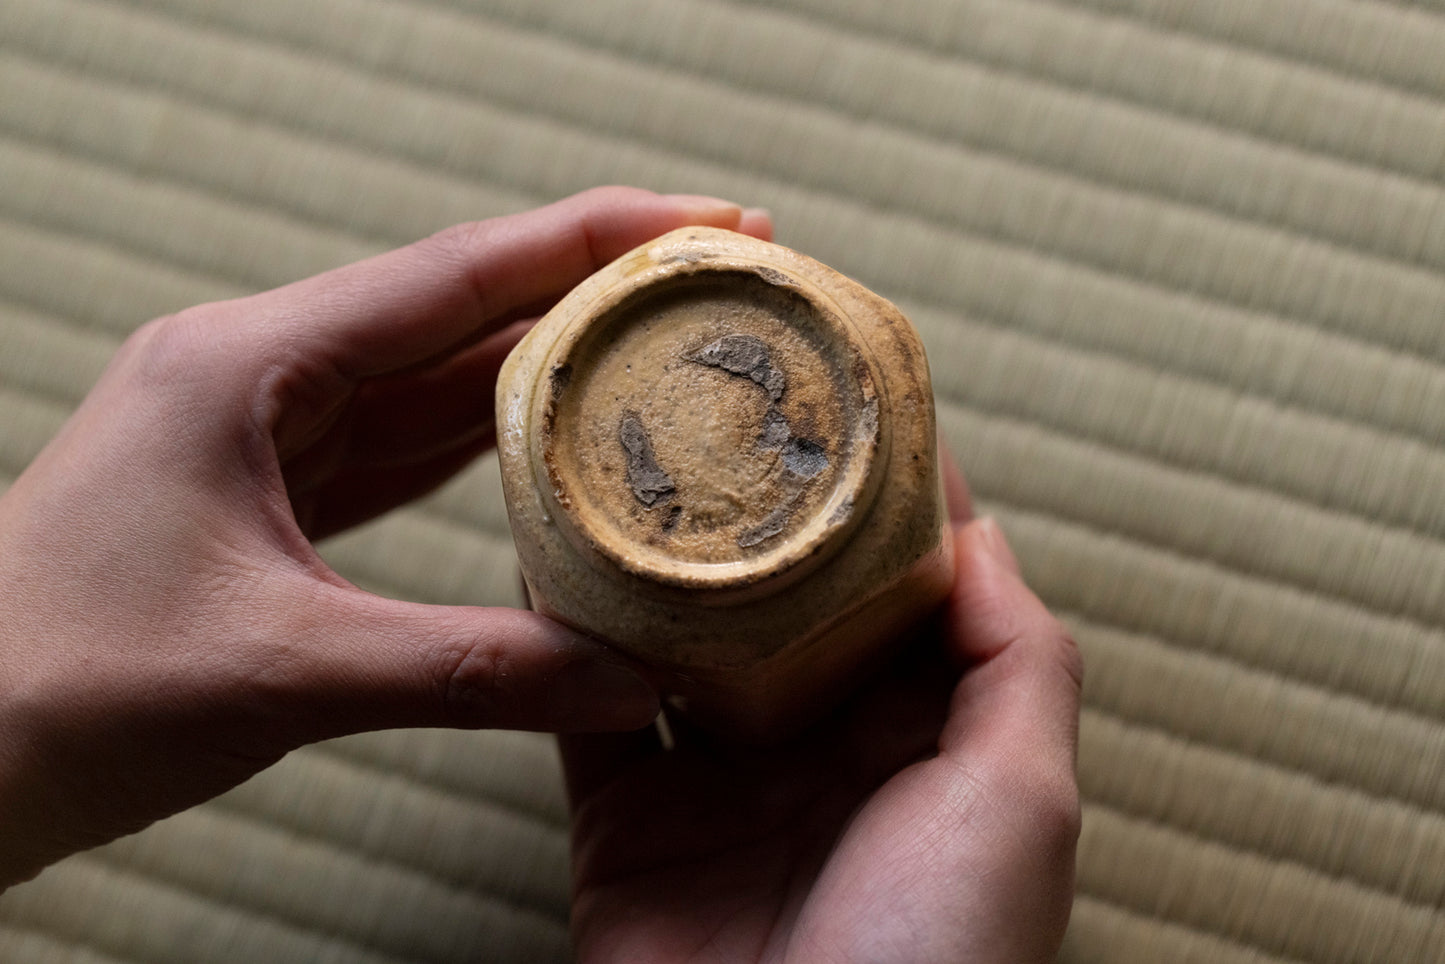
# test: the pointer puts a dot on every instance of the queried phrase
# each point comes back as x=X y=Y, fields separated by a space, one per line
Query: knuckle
x=459 y=242
x=463 y=248
x=170 y=350
x=609 y=195
x=155 y=346
x=1058 y=817
x=1066 y=814
x=1071 y=656
x=476 y=680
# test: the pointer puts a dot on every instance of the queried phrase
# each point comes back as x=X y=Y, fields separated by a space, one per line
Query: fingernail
x=995 y=544
x=602 y=695
x=707 y=208
x=758 y=222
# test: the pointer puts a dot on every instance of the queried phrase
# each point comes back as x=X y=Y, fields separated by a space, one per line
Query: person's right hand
x=933 y=817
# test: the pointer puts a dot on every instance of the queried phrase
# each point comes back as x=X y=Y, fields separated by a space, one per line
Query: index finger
x=410 y=305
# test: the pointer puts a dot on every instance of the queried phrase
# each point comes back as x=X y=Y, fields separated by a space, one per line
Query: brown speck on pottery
x=710 y=452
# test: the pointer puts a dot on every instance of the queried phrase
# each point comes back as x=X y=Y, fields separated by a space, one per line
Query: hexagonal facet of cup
x=719 y=456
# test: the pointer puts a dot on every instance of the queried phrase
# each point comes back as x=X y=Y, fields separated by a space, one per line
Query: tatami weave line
x=22 y=149
x=1148 y=401
x=35 y=946
x=1193 y=837
x=1293 y=801
x=30 y=422
x=1319 y=920
x=1358 y=36
x=311 y=845
x=1427 y=714
x=423 y=755
x=1151 y=84
x=1386 y=518
x=1071 y=252
x=336 y=773
x=118 y=291
x=50 y=355
x=967 y=209
x=965 y=43
x=1121 y=660
x=337 y=766
x=449 y=566
x=334 y=224
x=1434 y=6
x=1129 y=175
x=283 y=904
x=1401 y=210
x=1403 y=739
x=307 y=247
x=1349 y=562
x=1250 y=339
x=1342 y=893
x=1320 y=637
x=228 y=145
x=298 y=32
x=84 y=205
x=1398 y=759
x=1100 y=925
x=205 y=928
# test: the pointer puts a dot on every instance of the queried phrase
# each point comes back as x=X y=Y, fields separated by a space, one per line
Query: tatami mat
x=1180 y=268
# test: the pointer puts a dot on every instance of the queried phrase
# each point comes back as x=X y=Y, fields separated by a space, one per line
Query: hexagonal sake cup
x=720 y=457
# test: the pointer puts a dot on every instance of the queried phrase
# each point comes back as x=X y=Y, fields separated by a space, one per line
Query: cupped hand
x=932 y=818
x=166 y=628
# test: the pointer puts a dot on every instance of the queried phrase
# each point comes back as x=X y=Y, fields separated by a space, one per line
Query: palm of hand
x=705 y=852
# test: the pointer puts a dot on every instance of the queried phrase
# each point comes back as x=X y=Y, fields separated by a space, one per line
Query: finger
x=955 y=487
x=1007 y=755
x=1025 y=672
x=757 y=222
x=354 y=662
x=406 y=306
x=411 y=416
x=1013 y=727
x=364 y=493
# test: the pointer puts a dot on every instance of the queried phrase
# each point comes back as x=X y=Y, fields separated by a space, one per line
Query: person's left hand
x=166 y=628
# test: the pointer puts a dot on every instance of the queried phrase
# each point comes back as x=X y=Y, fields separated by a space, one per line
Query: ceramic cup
x=720 y=456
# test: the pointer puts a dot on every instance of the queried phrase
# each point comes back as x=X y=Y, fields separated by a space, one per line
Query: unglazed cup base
x=720 y=456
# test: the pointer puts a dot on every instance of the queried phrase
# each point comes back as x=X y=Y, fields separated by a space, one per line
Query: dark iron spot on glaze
x=561 y=378
x=649 y=483
x=747 y=356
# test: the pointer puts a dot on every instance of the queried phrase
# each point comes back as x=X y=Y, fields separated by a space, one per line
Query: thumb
x=1023 y=670
x=364 y=662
